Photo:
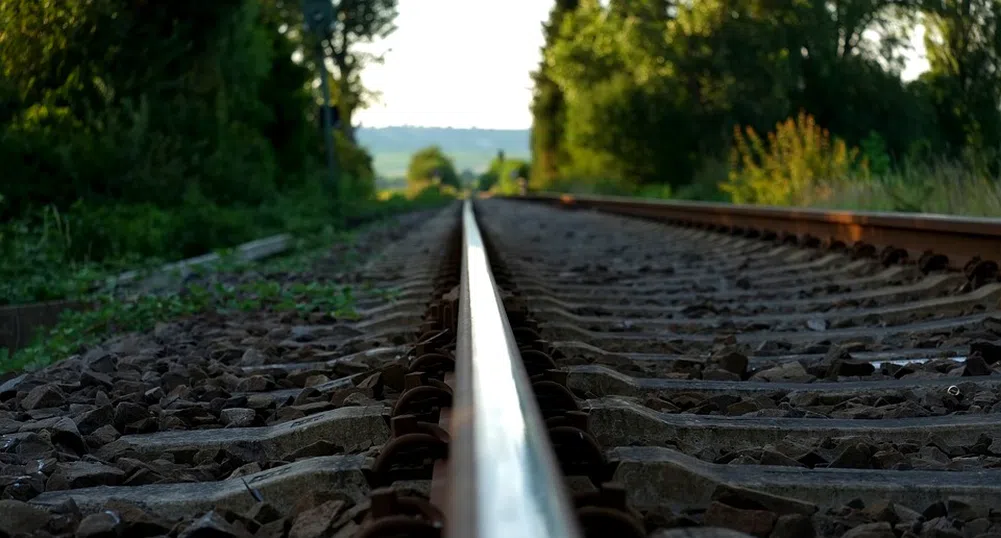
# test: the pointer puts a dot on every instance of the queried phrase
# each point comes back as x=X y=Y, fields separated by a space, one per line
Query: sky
x=458 y=63
x=440 y=72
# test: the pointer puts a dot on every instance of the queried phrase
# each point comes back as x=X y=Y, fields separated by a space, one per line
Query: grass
x=53 y=255
x=112 y=313
x=76 y=331
x=802 y=165
x=36 y=265
x=941 y=187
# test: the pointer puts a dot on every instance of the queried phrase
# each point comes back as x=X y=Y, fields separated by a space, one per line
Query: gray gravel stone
x=237 y=417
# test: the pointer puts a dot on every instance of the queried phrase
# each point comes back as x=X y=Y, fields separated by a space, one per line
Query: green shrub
x=55 y=255
x=798 y=164
x=705 y=186
x=940 y=186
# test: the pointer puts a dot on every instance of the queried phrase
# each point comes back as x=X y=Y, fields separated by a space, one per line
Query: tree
x=113 y=100
x=509 y=174
x=430 y=166
x=359 y=22
x=643 y=92
x=133 y=102
x=547 y=105
x=964 y=52
x=503 y=173
x=628 y=114
x=492 y=175
x=467 y=178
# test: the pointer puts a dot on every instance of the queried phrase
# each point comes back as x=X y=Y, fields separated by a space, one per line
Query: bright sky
x=458 y=63
x=466 y=63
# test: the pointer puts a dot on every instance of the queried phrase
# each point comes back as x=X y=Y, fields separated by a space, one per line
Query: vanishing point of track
x=554 y=367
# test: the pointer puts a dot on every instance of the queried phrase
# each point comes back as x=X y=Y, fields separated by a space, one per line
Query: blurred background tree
x=430 y=166
x=127 y=109
x=644 y=96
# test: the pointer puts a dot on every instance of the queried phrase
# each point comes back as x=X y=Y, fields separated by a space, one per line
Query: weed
x=112 y=314
x=391 y=294
x=798 y=164
x=942 y=187
x=78 y=330
x=801 y=165
x=56 y=255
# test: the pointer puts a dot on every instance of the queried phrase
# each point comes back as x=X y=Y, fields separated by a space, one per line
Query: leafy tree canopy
x=648 y=92
x=115 y=101
x=431 y=166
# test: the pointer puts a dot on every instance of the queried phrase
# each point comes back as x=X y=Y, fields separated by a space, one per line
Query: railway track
x=539 y=371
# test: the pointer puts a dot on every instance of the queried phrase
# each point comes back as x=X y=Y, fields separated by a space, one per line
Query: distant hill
x=391 y=147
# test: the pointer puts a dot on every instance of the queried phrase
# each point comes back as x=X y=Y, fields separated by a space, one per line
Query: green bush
x=105 y=105
x=799 y=163
x=705 y=186
x=54 y=255
x=35 y=264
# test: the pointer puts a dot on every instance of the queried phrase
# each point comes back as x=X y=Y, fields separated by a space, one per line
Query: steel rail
x=961 y=239
x=504 y=480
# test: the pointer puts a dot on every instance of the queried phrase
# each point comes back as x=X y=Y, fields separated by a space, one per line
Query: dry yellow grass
x=947 y=188
x=801 y=165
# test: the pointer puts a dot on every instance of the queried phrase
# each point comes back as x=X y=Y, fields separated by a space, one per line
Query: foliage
x=111 y=315
x=964 y=82
x=874 y=152
x=512 y=171
x=492 y=175
x=58 y=255
x=136 y=106
x=503 y=174
x=430 y=166
x=132 y=133
x=54 y=275
x=35 y=265
x=106 y=103
x=917 y=184
x=359 y=22
x=396 y=202
x=801 y=165
x=609 y=186
x=357 y=173
x=797 y=164
x=705 y=186
x=548 y=107
x=940 y=186
x=649 y=92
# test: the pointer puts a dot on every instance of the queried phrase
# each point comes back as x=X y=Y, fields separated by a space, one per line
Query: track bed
x=522 y=370
x=863 y=395
x=253 y=423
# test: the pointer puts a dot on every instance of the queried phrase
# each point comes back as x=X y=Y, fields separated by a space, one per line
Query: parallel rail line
x=959 y=239
x=541 y=372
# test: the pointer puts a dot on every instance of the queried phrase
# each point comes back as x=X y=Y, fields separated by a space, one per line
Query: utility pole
x=320 y=17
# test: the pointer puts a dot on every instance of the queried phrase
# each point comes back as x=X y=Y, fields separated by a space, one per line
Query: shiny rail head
x=504 y=477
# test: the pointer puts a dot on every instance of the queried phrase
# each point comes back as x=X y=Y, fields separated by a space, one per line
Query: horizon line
x=410 y=126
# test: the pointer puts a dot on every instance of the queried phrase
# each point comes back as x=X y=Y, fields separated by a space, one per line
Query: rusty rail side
x=504 y=480
x=961 y=239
